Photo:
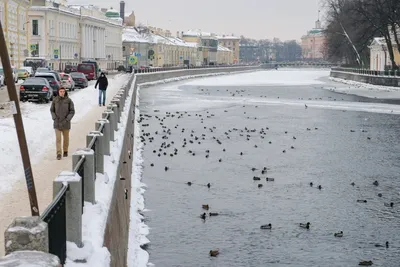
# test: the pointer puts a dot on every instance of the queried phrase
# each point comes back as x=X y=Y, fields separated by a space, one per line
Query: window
x=35 y=27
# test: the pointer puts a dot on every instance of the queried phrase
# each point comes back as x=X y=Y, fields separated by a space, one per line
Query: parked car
x=121 y=68
x=79 y=79
x=70 y=68
x=58 y=76
x=88 y=69
x=15 y=75
x=67 y=82
x=1 y=80
x=30 y=70
x=51 y=78
x=36 y=89
x=23 y=74
x=42 y=69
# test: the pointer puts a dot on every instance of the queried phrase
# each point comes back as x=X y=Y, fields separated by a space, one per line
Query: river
x=226 y=130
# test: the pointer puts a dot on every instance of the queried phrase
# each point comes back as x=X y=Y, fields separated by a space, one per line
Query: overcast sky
x=284 y=19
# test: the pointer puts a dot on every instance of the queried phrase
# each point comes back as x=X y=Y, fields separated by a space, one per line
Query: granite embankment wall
x=117 y=229
x=156 y=76
x=366 y=78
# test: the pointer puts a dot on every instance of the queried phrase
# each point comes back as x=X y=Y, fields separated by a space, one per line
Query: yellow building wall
x=396 y=56
x=191 y=39
x=16 y=49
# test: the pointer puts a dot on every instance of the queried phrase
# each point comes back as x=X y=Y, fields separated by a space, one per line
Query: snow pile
x=366 y=85
x=137 y=257
x=267 y=77
x=39 y=131
x=181 y=78
x=94 y=218
x=365 y=89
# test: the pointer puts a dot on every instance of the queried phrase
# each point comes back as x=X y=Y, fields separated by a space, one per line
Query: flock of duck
x=190 y=138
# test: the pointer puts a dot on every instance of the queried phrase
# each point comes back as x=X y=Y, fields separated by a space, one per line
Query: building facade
x=225 y=56
x=207 y=45
x=233 y=44
x=379 y=55
x=312 y=44
x=67 y=35
x=15 y=23
x=157 y=48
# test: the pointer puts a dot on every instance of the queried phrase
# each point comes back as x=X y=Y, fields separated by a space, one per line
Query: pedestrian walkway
x=16 y=202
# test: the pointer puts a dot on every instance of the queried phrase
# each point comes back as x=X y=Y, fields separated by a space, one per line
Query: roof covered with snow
x=228 y=37
x=223 y=48
x=196 y=33
x=88 y=12
x=132 y=35
x=378 y=41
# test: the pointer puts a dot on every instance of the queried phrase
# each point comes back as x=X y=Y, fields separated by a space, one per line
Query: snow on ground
x=365 y=89
x=94 y=218
x=268 y=77
x=138 y=230
x=39 y=130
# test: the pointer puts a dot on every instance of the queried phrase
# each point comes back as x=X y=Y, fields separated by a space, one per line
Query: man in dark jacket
x=102 y=82
x=62 y=110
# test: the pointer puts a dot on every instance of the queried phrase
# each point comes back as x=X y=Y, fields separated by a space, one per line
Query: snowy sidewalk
x=40 y=135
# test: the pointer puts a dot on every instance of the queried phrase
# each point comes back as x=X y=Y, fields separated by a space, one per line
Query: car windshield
x=86 y=67
x=22 y=70
x=42 y=70
x=1 y=71
x=77 y=75
x=65 y=77
x=34 y=81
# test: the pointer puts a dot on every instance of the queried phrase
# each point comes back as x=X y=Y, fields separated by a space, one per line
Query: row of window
x=13 y=20
x=65 y=30
x=65 y=50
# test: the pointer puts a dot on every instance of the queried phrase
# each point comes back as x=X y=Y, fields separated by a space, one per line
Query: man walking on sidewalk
x=62 y=110
x=102 y=82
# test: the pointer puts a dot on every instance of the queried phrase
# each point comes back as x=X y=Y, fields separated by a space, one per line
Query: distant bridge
x=298 y=65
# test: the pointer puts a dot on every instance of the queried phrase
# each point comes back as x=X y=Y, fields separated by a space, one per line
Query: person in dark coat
x=62 y=111
x=102 y=82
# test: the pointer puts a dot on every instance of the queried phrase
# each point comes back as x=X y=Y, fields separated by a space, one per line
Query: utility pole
x=19 y=126
x=60 y=58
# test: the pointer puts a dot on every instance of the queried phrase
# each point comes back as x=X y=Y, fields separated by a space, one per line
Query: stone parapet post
x=73 y=204
x=26 y=233
x=113 y=122
x=115 y=108
x=89 y=173
x=98 y=151
x=106 y=135
x=117 y=101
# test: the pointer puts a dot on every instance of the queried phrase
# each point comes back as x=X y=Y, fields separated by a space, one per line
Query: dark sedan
x=79 y=79
x=36 y=89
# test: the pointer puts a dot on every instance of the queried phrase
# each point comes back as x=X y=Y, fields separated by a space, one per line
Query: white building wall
x=77 y=37
x=377 y=58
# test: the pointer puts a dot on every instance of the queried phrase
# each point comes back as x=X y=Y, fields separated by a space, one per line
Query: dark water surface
x=328 y=154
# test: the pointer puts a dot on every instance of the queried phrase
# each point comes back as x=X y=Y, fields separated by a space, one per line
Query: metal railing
x=55 y=213
x=55 y=217
x=159 y=69
x=386 y=73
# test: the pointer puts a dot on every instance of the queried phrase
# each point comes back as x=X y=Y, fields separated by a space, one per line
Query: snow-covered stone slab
x=26 y=233
x=30 y=259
